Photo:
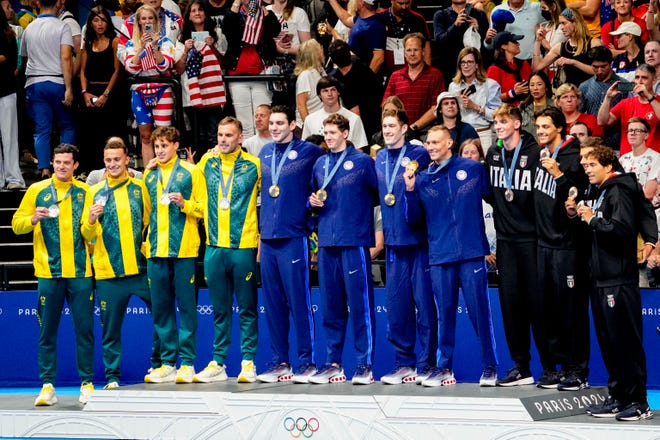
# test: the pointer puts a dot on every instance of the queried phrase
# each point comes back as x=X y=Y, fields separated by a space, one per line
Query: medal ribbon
x=599 y=201
x=567 y=141
x=106 y=192
x=508 y=173
x=328 y=177
x=390 y=181
x=438 y=167
x=170 y=180
x=224 y=185
x=276 y=170
x=53 y=192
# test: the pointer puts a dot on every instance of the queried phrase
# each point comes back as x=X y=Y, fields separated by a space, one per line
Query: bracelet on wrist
x=83 y=91
x=106 y=92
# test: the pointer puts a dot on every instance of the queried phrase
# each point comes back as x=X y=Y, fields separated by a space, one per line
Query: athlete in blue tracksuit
x=345 y=193
x=410 y=302
x=448 y=195
x=284 y=251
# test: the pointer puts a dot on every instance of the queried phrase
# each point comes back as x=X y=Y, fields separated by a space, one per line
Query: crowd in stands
x=541 y=92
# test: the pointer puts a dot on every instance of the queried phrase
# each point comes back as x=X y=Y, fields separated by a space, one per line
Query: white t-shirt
x=306 y=83
x=646 y=166
x=255 y=143
x=41 y=45
x=314 y=125
x=298 y=21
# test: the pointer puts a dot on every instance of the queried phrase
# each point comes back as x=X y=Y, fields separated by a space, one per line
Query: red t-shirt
x=629 y=108
x=590 y=121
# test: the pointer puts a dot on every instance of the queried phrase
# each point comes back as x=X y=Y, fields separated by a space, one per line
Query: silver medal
x=224 y=203
x=53 y=211
x=165 y=199
x=101 y=200
x=545 y=153
x=573 y=192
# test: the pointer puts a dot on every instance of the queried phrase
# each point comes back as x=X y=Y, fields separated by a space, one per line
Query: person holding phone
x=476 y=107
x=643 y=104
x=294 y=22
x=510 y=72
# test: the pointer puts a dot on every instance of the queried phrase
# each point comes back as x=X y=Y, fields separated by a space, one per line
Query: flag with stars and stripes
x=147 y=59
x=253 y=23
x=205 y=84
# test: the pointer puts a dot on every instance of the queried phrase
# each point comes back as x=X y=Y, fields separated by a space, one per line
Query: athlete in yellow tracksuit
x=233 y=178
x=173 y=195
x=51 y=209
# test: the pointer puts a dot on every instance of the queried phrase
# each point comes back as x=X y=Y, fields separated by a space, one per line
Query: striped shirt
x=236 y=227
x=118 y=231
x=59 y=248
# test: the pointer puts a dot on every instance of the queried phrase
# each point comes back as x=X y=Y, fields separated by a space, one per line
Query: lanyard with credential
x=164 y=198
x=275 y=170
x=224 y=185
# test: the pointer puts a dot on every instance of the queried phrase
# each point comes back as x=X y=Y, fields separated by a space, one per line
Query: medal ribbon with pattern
x=276 y=169
x=390 y=198
x=103 y=195
x=327 y=176
x=166 y=189
x=438 y=167
x=53 y=209
x=508 y=172
x=224 y=185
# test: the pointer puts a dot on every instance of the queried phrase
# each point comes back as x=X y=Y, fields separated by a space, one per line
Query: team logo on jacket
x=461 y=174
x=179 y=176
x=348 y=165
x=496 y=157
x=523 y=161
x=610 y=301
x=570 y=281
x=405 y=161
x=292 y=155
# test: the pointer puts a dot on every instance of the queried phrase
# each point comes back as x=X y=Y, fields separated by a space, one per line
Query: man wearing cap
x=449 y=26
x=527 y=15
x=624 y=14
x=448 y=114
x=629 y=34
x=509 y=72
x=368 y=30
x=417 y=83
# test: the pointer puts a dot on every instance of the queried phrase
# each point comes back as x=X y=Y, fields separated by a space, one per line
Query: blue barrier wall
x=19 y=330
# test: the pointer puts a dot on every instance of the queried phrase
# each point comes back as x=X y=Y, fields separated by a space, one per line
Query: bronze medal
x=508 y=195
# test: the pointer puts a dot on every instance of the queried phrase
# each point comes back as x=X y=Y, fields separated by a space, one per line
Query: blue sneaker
x=400 y=374
x=441 y=377
x=607 y=409
x=363 y=375
x=633 y=412
x=304 y=372
x=329 y=373
x=277 y=373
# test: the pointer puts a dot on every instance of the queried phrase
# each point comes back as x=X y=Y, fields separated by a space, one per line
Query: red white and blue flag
x=205 y=84
x=254 y=22
x=147 y=59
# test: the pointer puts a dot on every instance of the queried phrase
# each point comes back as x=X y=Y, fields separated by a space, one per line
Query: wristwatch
x=651 y=99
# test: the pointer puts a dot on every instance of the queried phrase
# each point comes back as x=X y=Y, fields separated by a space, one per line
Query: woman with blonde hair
x=567 y=99
x=478 y=96
x=149 y=55
x=570 y=56
x=309 y=70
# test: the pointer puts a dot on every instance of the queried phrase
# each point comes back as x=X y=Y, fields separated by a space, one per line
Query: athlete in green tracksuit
x=233 y=178
x=113 y=221
x=52 y=209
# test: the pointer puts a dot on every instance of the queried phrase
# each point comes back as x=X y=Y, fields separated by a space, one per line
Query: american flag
x=253 y=23
x=147 y=60
x=205 y=84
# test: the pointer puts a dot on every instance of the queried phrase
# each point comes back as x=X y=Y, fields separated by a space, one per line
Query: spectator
x=393 y=103
x=309 y=70
x=368 y=32
x=527 y=16
x=550 y=31
x=567 y=99
x=99 y=82
x=540 y=97
x=652 y=58
x=417 y=84
x=593 y=90
x=10 y=173
x=401 y=21
x=632 y=56
x=148 y=55
x=571 y=55
x=580 y=131
x=449 y=27
x=592 y=12
x=254 y=144
x=329 y=90
x=653 y=20
x=48 y=47
x=76 y=34
x=360 y=86
x=216 y=10
x=202 y=85
x=448 y=115
x=643 y=104
x=479 y=96
x=624 y=13
x=294 y=21
x=251 y=47
x=508 y=71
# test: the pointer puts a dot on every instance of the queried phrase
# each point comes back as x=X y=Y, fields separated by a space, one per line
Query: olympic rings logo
x=301 y=426
x=204 y=309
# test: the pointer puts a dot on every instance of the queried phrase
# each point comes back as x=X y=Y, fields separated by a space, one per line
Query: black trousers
x=617 y=313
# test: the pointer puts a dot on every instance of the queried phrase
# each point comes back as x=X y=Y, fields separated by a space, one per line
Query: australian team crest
x=523 y=161
x=610 y=301
x=570 y=281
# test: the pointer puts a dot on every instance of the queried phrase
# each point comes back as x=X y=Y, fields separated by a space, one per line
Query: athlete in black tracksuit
x=562 y=272
x=619 y=213
x=517 y=254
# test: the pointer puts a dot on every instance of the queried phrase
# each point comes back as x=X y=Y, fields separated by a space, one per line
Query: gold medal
x=413 y=165
x=508 y=195
x=274 y=191
x=322 y=195
x=389 y=199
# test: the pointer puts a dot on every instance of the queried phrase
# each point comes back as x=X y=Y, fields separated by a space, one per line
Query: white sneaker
x=248 y=372
x=86 y=391
x=46 y=396
x=185 y=374
x=400 y=374
x=162 y=374
x=212 y=373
